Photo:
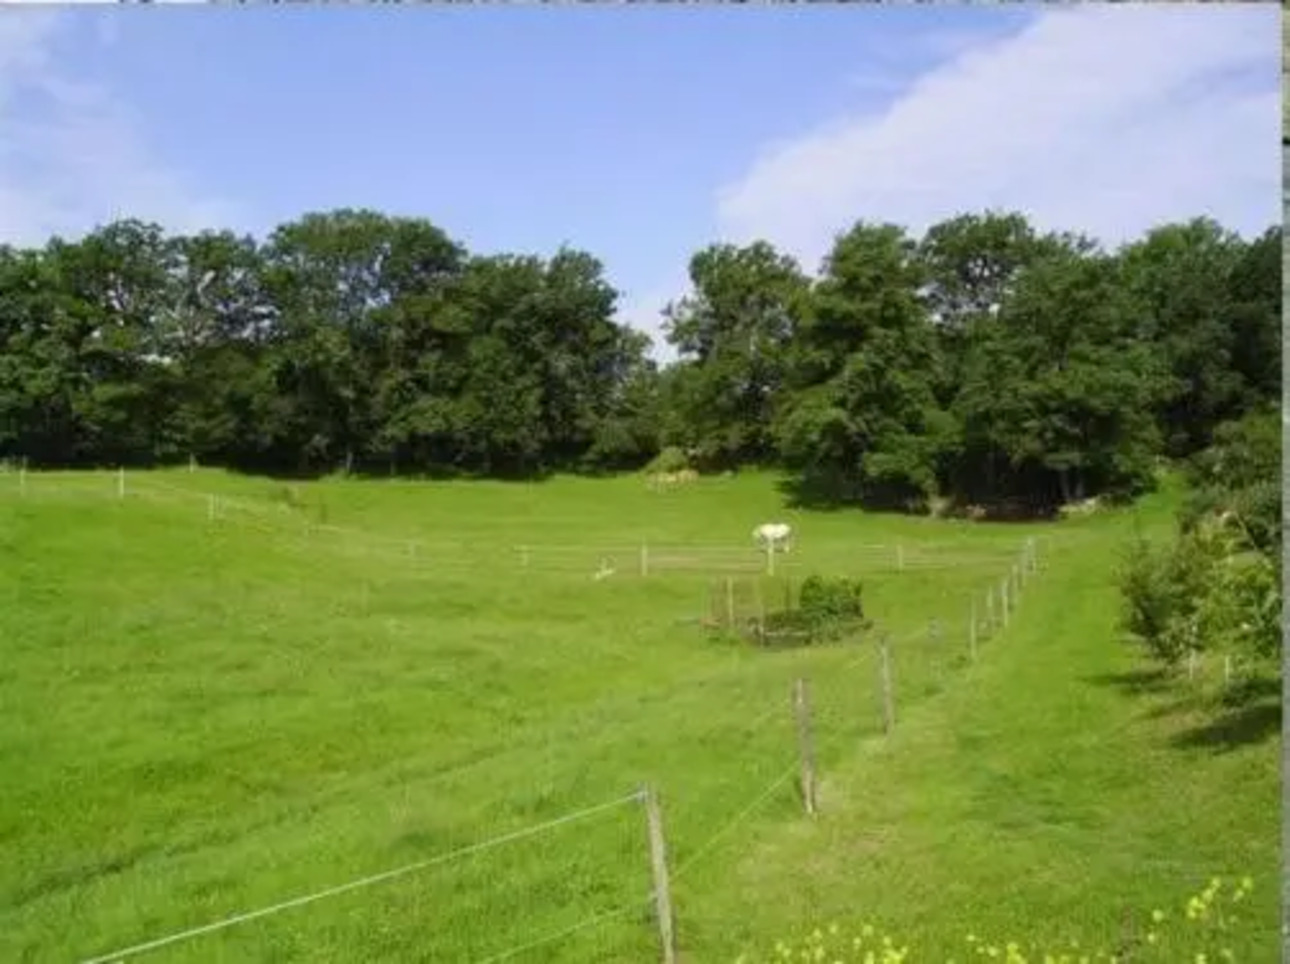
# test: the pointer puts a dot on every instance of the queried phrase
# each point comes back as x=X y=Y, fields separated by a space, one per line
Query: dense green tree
x=971 y=265
x=863 y=419
x=984 y=361
x=1058 y=390
x=218 y=323
x=1182 y=277
x=38 y=362
x=1255 y=291
x=733 y=333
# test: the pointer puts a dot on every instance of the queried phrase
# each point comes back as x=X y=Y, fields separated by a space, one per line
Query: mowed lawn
x=202 y=716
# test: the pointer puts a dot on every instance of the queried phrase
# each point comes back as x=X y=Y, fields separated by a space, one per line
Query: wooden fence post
x=972 y=632
x=934 y=638
x=730 y=601
x=22 y=476
x=644 y=559
x=806 y=749
x=761 y=612
x=1191 y=664
x=884 y=671
x=658 y=864
x=120 y=482
x=1227 y=669
x=1003 y=601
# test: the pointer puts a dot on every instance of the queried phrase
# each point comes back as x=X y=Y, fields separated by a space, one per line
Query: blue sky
x=639 y=133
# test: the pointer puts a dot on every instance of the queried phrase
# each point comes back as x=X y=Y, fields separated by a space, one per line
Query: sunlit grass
x=202 y=716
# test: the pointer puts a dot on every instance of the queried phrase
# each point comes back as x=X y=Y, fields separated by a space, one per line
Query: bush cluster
x=1217 y=586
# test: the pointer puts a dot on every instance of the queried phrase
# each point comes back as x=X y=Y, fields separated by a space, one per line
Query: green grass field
x=204 y=716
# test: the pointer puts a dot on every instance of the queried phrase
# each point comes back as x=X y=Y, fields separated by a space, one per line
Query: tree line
x=984 y=362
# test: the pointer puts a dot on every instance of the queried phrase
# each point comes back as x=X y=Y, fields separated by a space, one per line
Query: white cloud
x=1098 y=118
x=72 y=155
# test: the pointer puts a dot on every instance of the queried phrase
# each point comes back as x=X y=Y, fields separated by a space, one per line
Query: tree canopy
x=984 y=362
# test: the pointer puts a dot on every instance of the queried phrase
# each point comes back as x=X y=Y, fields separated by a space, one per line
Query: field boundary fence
x=873 y=710
x=596 y=562
x=641 y=796
x=989 y=613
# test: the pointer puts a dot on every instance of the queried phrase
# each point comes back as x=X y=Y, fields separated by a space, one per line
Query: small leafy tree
x=1217 y=586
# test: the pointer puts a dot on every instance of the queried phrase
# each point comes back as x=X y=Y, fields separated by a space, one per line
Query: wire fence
x=601 y=901
x=301 y=526
x=844 y=709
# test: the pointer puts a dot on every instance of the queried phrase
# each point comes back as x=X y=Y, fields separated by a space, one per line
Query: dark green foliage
x=864 y=374
x=983 y=365
x=733 y=334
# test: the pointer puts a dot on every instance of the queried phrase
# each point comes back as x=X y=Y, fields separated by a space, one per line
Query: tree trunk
x=1063 y=478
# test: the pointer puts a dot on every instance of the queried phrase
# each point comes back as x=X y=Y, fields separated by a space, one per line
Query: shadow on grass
x=830 y=492
x=1247 y=713
x=1135 y=682
x=1236 y=727
x=816 y=495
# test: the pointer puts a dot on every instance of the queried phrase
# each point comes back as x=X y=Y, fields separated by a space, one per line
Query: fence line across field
x=695 y=856
x=800 y=709
x=618 y=559
x=367 y=881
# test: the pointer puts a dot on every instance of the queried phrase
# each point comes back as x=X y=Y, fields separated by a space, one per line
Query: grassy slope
x=1061 y=784
x=200 y=719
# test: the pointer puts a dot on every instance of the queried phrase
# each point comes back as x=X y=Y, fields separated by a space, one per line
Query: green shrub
x=1211 y=589
x=671 y=459
x=1159 y=587
x=828 y=607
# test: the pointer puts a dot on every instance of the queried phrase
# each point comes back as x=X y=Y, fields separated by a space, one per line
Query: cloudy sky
x=640 y=133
